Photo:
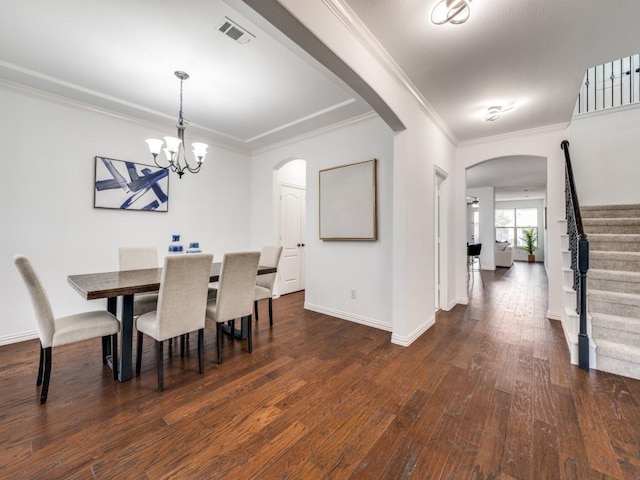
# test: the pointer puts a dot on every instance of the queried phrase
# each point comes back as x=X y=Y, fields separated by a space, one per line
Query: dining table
x=125 y=284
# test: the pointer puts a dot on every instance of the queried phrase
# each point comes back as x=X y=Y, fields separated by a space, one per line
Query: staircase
x=613 y=285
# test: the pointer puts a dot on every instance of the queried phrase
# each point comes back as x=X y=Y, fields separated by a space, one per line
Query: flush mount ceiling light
x=454 y=12
x=174 y=149
x=495 y=112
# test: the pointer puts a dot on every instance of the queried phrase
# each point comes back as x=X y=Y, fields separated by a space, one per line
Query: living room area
x=506 y=208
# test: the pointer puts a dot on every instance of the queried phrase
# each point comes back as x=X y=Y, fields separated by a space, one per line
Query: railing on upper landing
x=612 y=84
x=579 y=247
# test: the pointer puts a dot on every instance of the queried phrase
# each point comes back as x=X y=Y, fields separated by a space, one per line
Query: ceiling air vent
x=234 y=31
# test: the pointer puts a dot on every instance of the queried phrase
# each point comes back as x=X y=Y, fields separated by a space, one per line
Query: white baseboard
x=370 y=322
x=408 y=340
x=553 y=315
x=18 y=337
x=461 y=301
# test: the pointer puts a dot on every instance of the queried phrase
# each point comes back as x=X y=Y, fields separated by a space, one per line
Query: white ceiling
x=120 y=55
x=532 y=52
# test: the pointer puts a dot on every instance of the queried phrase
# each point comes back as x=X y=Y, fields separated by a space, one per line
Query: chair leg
x=219 y=341
x=182 y=343
x=40 y=367
x=270 y=312
x=159 y=360
x=139 y=353
x=106 y=350
x=249 y=336
x=114 y=355
x=46 y=376
x=480 y=271
x=255 y=309
x=201 y=350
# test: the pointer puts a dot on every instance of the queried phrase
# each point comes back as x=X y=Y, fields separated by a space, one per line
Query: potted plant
x=529 y=238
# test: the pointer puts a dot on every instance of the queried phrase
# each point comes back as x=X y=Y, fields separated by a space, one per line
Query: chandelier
x=451 y=11
x=174 y=149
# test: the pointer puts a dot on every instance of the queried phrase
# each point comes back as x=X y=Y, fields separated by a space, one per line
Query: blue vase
x=175 y=246
x=194 y=247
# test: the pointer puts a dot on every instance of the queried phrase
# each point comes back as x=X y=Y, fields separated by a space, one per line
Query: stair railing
x=579 y=247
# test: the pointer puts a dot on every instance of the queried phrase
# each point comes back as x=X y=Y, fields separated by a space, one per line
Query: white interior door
x=292 y=219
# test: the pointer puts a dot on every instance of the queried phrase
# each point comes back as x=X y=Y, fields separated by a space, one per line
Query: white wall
x=46 y=202
x=293 y=173
x=604 y=155
x=334 y=268
x=417 y=151
x=519 y=254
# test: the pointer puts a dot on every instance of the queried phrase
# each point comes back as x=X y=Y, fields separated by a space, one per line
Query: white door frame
x=440 y=238
x=301 y=248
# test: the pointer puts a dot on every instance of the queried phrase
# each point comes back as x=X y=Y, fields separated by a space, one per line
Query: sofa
x=503 y=255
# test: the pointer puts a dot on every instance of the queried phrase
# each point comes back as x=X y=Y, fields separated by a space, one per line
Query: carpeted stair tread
x=606 y=260
x=621 y=242
x=621 y=298
x=614 y=275
x=626 y=206
x=610 y=221
x=610 y=211
x=619 y=359
x=621 y=351
x=613 y=280
x=611 y=225
x=616 y=322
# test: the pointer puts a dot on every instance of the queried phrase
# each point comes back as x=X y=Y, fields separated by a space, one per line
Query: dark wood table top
x=113 y=284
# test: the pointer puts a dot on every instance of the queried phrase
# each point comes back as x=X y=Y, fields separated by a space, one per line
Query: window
x=511 y=222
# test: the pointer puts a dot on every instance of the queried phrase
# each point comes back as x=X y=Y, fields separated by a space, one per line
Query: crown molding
x=519 y=133
x=316 y=133
x=66 y=101
x=359 y=30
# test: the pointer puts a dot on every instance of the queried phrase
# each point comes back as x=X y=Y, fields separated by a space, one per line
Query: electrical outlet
x=353 y=293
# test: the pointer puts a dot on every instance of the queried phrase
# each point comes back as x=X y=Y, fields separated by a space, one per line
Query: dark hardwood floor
x=487 y=393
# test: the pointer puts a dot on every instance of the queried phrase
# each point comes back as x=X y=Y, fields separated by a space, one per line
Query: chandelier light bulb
x=200 y=150
x=155 y=145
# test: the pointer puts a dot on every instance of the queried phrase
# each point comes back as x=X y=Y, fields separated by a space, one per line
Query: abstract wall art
x=348 y=202
x=130 y=186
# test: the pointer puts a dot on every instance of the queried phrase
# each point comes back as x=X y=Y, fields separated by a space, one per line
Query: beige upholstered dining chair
x=270 y=257
x=182 y=303
x=139 y=258
x=235 y=294
x=54 y=332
